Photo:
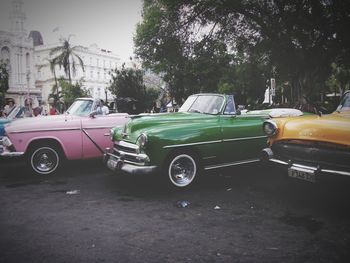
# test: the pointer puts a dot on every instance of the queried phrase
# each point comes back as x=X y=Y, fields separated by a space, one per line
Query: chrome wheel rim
x=44 y=160
x=182 y=170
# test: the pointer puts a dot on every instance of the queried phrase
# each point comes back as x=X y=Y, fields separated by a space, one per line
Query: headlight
x=270 y=128
x=6 y=142
x=142 y=140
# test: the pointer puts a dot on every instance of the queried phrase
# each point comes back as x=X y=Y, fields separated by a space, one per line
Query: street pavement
x=246 y=214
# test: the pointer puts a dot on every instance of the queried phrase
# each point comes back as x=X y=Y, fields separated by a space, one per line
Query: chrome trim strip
x=99 y=127
x=231 y=164
x=209 y=157
x=217 y=141
x=244 y=138
x=278 y=161
x=304 y=166
x=46 y=130
x=295 y=165
x=191 y=144
x=335 y=172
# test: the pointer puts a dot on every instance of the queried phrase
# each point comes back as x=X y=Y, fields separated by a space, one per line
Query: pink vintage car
x=46 y=141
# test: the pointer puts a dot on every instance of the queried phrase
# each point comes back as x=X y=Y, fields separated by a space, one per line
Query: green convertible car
x=207 y=133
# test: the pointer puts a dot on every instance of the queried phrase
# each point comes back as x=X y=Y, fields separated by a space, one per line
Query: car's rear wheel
x=45 y=159
x=182 y=168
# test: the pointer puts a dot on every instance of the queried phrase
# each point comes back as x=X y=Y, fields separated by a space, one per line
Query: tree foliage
x=203 y=45
x=69 y=92
x=4 y=81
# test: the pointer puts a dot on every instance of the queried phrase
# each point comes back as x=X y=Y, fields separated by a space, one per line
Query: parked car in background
x=16 y=112
x=310 y=146
x=207 y=133
x=46 y=141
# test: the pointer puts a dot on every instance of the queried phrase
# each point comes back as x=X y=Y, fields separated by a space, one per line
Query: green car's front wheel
x=182 y=169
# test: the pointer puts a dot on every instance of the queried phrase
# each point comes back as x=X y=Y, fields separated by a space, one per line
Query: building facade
x=95 y=77
x=17 y=51
x=27 y=59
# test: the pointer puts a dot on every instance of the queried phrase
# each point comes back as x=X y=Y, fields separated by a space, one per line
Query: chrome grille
x=129 y=153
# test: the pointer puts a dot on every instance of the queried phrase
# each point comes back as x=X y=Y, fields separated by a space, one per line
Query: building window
x=91 y=74
x=27 y=61
x=97 y=62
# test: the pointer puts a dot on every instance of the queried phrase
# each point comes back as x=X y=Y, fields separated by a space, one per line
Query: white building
x=16 y=50
x=97 y=65
x=29 y=69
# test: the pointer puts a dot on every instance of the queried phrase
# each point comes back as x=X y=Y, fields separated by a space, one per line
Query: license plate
x=303 y=174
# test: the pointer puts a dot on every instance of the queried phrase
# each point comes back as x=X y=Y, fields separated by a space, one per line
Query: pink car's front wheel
x=44 y=159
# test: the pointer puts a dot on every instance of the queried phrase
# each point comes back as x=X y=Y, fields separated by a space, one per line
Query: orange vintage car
x=311 y=145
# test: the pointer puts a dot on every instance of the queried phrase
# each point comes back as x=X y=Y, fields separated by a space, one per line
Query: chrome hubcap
x=44 y=160
x=182 y=170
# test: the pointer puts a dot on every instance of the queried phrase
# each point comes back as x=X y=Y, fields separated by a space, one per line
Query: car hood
x=41 y=123
x=333 y=128
x=4 y=121
x=162 y=122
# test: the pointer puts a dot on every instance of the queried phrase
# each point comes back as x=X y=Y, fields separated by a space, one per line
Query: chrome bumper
x=267 y=155
x=11 y=154
x=116 y=164
x=4 y=152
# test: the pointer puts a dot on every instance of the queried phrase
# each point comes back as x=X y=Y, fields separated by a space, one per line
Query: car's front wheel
x=182 y=169
x=44 y=159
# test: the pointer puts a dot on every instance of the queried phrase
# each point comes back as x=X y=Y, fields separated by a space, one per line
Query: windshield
x=208 y=104
x=345 y=103
x=80 y=107
x=15 y=113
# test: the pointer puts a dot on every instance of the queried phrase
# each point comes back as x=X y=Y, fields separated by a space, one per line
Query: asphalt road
x=246 y=214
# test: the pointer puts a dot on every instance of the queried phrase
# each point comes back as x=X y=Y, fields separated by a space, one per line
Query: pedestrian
x=37 y=111
x=9 y=106
x=102 y=109
x=53 y=110
x=28 y=110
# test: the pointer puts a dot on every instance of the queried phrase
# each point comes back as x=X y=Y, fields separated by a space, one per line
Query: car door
x=242 y=137
x=95 y=132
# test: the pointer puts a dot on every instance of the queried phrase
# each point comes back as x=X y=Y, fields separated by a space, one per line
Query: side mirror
x=93 y=114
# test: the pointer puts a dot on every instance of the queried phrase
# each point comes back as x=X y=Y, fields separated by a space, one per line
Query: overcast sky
x=110 y=24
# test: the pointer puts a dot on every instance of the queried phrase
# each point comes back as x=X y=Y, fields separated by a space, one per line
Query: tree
x=65 y=56
x=71 y=91
x=127 y=83
x=299 y=39
x=4 y=82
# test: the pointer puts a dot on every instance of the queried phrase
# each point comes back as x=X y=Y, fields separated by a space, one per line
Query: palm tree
x=66 y=57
